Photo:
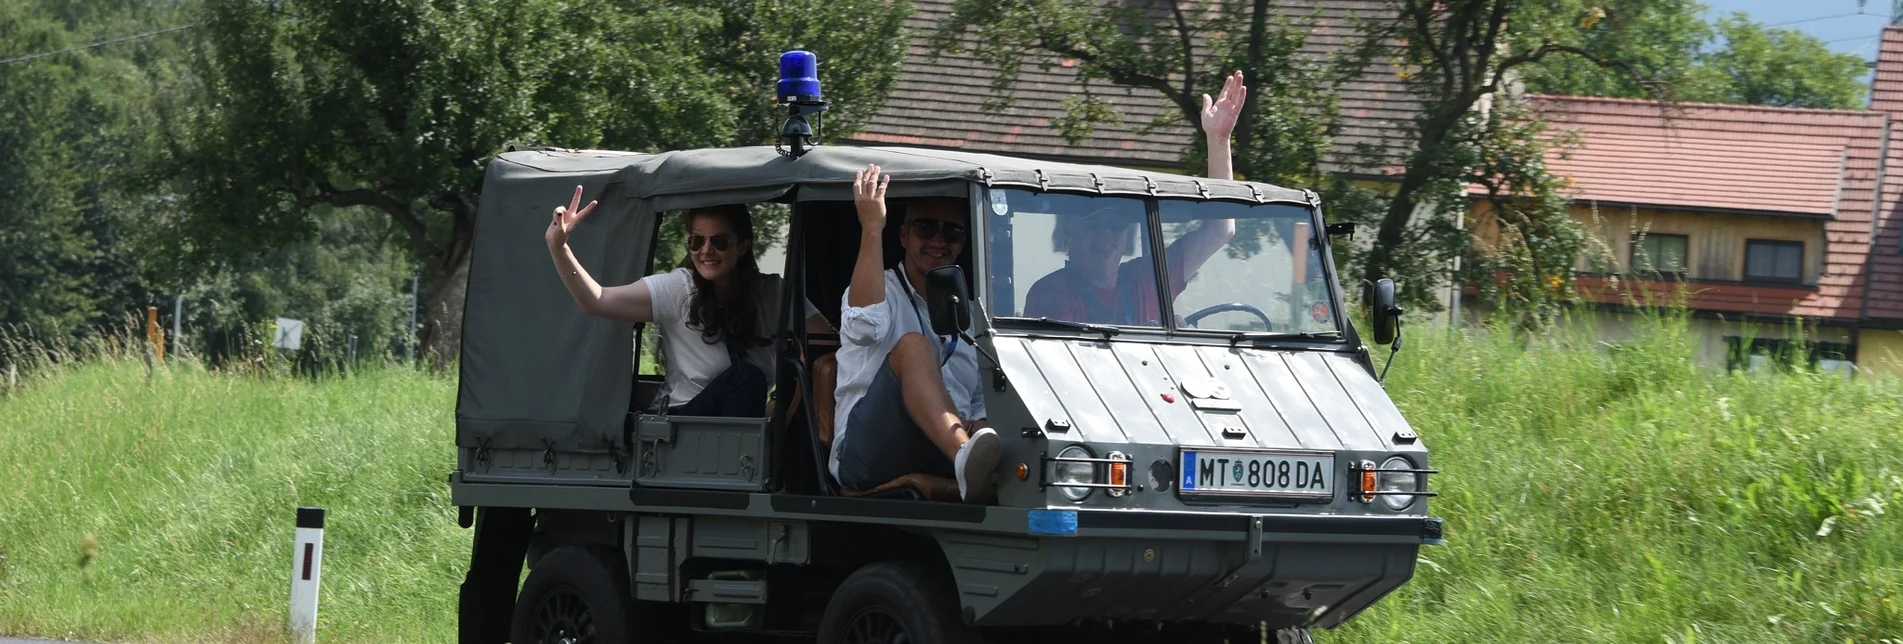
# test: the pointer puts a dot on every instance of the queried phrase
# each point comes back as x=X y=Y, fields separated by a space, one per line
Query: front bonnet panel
x=1180 y=395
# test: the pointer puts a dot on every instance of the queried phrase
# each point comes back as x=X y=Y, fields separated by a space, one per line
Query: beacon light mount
x=799 y=92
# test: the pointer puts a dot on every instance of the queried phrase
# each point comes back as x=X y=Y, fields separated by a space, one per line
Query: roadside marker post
x=306 y=569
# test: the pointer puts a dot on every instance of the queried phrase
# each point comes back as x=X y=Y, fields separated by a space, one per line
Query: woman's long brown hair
x=743 y=309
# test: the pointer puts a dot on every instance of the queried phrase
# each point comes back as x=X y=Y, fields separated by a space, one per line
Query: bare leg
x=915 y=362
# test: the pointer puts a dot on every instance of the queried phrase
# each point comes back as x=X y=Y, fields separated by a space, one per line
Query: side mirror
x=1387 y=315
x=945 y=296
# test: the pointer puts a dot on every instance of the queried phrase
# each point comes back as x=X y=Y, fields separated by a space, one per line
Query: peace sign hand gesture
x=1219 y=116
x=565 y=219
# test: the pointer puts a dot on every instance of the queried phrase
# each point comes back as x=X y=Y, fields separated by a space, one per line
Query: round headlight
x=1073 y=473
x=1396 y=482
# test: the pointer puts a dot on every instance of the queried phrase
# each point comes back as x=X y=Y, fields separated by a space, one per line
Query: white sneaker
x=976 y=461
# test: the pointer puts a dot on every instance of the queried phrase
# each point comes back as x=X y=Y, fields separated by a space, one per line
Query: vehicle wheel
x=575 y=595
x=1294 y=636
x=895 y=603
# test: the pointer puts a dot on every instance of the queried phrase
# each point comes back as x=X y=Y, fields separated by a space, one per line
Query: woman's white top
x=690 y=361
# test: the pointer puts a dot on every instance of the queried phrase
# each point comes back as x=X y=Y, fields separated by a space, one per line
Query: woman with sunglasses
x=715 y=311
x=1093 y=286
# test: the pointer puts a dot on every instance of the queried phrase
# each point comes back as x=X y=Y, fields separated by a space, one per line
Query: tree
x=1180 y=50
x=1732 y=60
x=70 y=132
x=42 y=286
x=1659 y=39
x=1459 y=59
x=1766 y=66
x=395 y=106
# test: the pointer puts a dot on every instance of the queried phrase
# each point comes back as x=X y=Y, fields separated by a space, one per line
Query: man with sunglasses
x=909 y=400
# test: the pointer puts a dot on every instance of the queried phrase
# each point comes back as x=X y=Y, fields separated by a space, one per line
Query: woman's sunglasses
x=929 y=228
x=721 y=242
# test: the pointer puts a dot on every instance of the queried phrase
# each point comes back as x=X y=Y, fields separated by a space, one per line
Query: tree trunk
x=442 y=333
x=1381 y=259
x=443 y=315
x=1387 y=239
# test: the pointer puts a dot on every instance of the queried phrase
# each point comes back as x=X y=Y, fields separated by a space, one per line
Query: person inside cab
x=716 y=311
x=908 y=400
x=1093 y=286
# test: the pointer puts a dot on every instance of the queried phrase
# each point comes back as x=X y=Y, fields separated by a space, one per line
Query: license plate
x=1267 y=474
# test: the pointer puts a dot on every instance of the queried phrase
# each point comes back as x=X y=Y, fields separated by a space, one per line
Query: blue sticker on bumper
x=1052 y=522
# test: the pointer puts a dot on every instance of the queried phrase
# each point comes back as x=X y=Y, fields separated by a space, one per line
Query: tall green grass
x=1600 y=492
x=164 y=510
x=1593 y=493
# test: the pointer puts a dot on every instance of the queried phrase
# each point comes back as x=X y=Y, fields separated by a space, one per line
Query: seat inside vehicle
x=828 y=233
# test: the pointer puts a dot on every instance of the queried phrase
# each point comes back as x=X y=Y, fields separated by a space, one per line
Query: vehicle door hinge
x=998 y=382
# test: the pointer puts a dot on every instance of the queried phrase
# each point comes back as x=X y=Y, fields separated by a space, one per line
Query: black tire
x=892 y=598
x=575 y=595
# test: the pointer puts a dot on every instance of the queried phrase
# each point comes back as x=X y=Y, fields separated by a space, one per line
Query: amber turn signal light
x=1367 y=481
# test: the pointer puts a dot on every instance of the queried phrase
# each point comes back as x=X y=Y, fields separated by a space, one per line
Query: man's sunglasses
x=721 y=242
x=929 y=228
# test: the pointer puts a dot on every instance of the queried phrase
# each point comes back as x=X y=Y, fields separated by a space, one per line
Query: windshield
x=1268 y=276
x=1090 y=259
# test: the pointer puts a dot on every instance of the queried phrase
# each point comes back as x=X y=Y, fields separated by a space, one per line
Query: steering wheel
x=1232 y=306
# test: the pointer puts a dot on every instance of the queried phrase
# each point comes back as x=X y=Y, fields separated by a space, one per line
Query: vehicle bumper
x=1187 y=568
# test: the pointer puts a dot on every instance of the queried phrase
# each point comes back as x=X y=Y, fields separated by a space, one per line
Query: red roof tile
x=1886 y=86
x=1885 y=255
x=1713 y=157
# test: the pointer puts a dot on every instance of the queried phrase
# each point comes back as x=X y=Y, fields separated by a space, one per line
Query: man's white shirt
x=867 y=334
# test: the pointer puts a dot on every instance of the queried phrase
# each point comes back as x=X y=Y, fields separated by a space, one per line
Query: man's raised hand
x=565 y=219
x=868 y=196
x=1219 y=115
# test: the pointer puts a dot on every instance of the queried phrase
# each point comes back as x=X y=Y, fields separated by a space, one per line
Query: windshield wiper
x=1107 y=331
x=1239 y=336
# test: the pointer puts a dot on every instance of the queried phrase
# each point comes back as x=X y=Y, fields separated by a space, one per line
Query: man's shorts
x=882 y=442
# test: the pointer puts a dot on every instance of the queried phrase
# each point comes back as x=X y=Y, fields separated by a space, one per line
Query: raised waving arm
x=631 y=303
x=1219 y=120
x=868 y=274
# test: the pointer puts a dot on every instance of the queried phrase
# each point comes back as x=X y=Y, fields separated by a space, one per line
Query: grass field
x=1592 y=494
x=164 y=511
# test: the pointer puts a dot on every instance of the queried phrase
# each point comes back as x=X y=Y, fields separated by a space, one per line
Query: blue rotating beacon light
x=799 y=93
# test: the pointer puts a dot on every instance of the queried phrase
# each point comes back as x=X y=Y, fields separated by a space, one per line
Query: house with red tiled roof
x=1780 y=229
x=1758 y=218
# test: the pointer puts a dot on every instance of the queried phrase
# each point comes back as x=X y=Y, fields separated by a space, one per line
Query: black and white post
x=306 y=567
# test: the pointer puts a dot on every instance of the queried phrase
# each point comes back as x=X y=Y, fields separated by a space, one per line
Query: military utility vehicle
x=1225 y=469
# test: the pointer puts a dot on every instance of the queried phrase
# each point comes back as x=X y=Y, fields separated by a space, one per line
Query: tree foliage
x=395 y=106
x=1687 y=58
x=71 y=127
x=1767 y=66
